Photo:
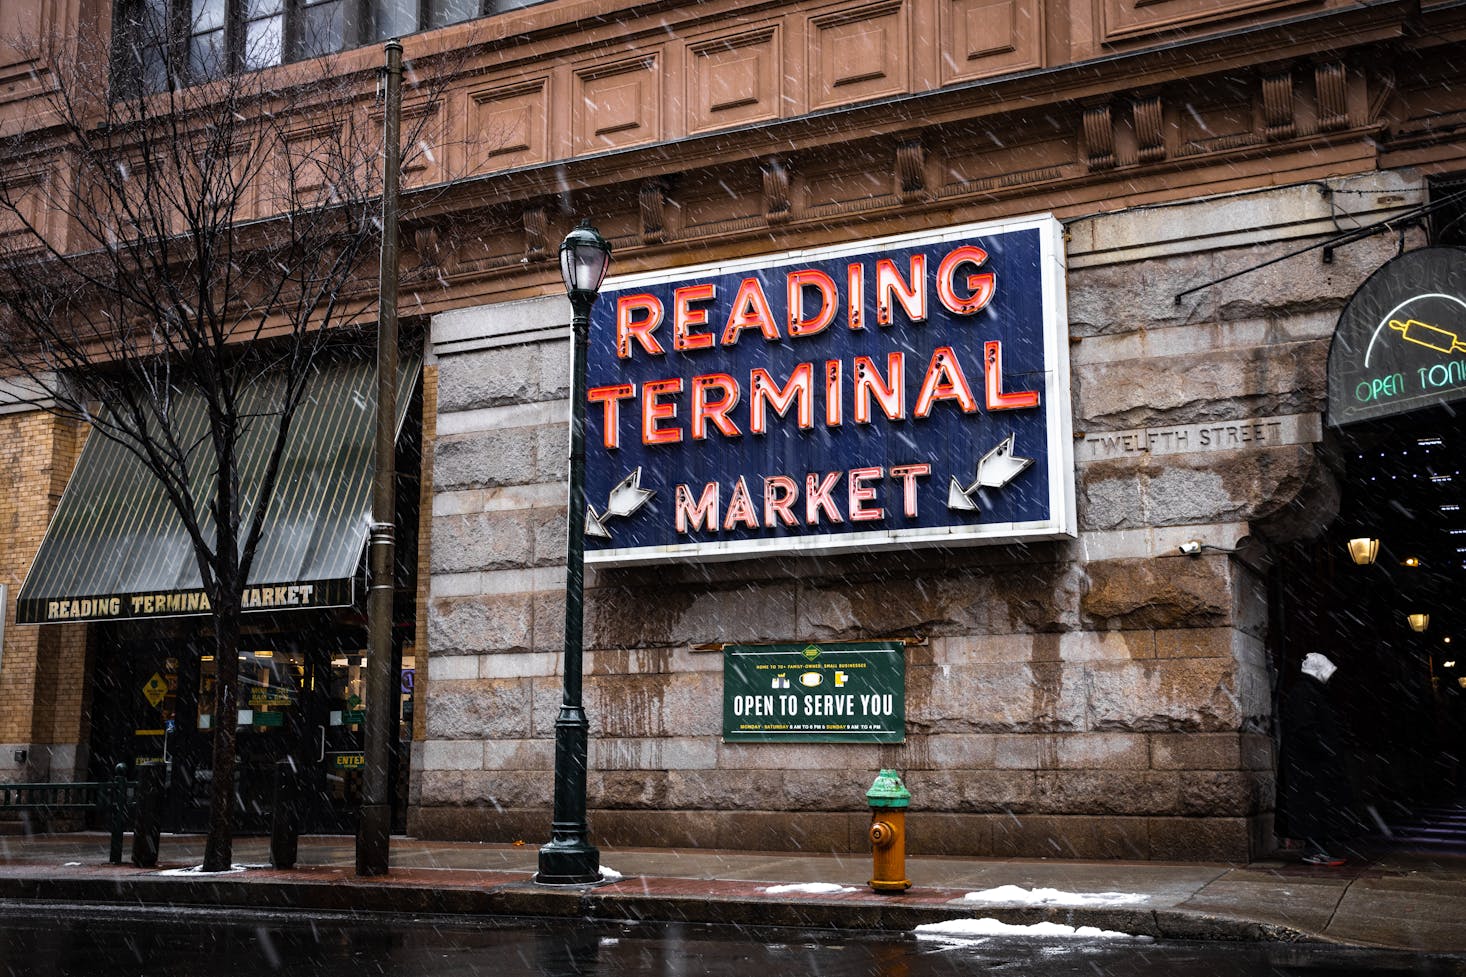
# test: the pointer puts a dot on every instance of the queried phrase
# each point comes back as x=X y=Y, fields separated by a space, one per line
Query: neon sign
x=1398 y=342
x=903 y=391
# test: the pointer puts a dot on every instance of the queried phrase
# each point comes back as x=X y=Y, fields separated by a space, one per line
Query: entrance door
x=1390 y=619
x=337 y=740
x=299 y=701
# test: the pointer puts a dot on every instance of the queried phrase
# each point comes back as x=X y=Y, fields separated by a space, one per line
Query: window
x=195 y=40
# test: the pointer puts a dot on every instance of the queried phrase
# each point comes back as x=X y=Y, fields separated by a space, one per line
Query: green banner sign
x=815 y=693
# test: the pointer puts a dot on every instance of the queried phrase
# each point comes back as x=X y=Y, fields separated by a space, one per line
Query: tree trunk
x=219 y=851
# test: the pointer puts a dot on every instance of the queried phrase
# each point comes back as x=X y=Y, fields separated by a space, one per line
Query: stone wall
x=1106 y=696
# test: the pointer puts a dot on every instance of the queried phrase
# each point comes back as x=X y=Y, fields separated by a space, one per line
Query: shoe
x=1322 y=858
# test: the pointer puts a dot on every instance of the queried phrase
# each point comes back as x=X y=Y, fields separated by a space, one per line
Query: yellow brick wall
x=43 y=669
x=424 y=544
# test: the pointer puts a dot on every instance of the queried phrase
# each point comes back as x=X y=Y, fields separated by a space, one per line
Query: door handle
x=321 y=750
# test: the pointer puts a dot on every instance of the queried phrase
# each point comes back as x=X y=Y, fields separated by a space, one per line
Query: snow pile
x=967 y=929
x=814 y=888
x=199 y=870
x=1019 y=896
x=610 y=875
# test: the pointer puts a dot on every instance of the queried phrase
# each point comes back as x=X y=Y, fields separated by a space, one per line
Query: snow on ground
x=968 y=929
x=610 y=875
x=1019 y=896
x=815 y=888
x=199 y=870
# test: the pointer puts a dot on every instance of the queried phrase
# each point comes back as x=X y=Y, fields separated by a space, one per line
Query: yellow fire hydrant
x=888 y=799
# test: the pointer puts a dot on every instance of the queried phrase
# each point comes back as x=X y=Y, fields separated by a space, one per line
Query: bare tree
x=169 y=242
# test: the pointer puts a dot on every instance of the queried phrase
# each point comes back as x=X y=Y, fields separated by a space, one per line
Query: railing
x=110 y=798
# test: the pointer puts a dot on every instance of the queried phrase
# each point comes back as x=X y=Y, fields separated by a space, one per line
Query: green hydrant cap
x=888 y=791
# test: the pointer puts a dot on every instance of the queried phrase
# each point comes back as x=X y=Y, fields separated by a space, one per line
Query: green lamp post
x=570 y=858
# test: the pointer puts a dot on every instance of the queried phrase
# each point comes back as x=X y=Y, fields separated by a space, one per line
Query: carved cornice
x=1277 y=105
x=1150 y=135
x=911 y=168
x=777 y=205
x=1331 y=95
x=1099 y=137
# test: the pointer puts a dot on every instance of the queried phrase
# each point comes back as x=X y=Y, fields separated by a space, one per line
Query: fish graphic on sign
x=995 y=469
x=627 y=497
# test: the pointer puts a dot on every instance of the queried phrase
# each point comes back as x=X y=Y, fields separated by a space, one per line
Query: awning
x=116 y=550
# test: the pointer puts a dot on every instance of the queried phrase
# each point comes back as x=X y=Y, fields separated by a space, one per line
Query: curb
x=512 y=896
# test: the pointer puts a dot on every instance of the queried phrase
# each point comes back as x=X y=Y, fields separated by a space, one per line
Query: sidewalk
x=1399 y=900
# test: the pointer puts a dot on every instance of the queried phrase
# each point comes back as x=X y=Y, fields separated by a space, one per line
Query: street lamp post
x=570 y=858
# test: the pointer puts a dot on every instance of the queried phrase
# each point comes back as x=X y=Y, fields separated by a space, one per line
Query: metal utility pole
x=374 y=830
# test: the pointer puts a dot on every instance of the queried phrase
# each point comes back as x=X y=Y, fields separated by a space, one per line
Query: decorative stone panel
x=735 y=78
x=618 y=103
x=982 y=38
x=857 y=53
x=508 y=125
x=1126 y=19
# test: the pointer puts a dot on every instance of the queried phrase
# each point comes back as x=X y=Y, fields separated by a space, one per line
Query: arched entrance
x=1390 y=609
x=1398 y=695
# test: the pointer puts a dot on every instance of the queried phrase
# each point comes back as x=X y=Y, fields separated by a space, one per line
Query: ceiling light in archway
x=1363 y=550
x=1418 y=622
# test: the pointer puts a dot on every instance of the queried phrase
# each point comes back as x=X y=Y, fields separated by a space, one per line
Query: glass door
x=338 y=735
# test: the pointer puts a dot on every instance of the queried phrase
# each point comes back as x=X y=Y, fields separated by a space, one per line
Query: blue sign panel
x=904 y=391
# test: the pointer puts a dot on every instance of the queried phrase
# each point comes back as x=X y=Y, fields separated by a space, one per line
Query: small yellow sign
x=154 y=689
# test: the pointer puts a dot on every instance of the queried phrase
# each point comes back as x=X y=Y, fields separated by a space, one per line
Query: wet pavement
x=94 y=941
x=1407 y=900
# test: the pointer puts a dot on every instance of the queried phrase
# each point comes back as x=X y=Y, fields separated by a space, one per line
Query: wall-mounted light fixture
x=1363 y=550
x=1418 y=621
x=1449 y=664
x=1410 y=561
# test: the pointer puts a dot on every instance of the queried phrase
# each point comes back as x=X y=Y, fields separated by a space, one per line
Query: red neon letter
x=890 y=394
x=993 y=381
x=740 y=508
x=860 y=493
x=704 y=410
x=607 y=397
x=653 y=410
x=684 y=316
x=834 y=395
x=798 y=282
x=750 y=308
x=944 y=381
x=912 y=296
x=855 y=295
x=628 y=327
x=766 y=393
x=817 y=497
x=908 y=475
x=980 y=287
x=702 y=514
x=780 y=491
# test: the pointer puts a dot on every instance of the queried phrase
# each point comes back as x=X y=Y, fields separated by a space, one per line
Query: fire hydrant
x=888 y=799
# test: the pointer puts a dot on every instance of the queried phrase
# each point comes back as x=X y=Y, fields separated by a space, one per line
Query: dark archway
x=1397 y=695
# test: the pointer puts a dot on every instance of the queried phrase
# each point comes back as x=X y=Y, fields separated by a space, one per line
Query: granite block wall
x=1105 y=696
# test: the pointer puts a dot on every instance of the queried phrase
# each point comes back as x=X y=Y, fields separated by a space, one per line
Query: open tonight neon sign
x=905 y=391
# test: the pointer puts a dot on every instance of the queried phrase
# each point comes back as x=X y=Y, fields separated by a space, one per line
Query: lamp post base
x=569 y=863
